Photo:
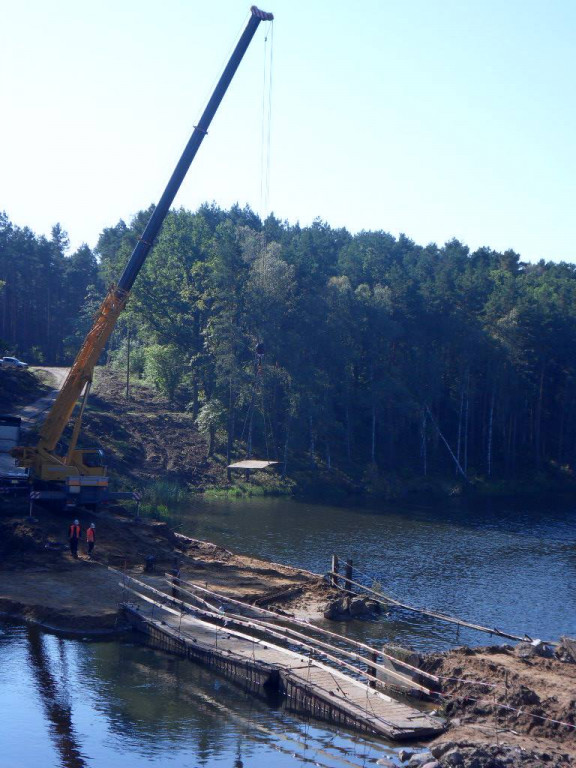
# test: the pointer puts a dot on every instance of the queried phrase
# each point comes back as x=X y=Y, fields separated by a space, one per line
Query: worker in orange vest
x=91 y=538
x=74 y=537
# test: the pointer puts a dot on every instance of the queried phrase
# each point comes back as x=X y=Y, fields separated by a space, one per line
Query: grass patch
x=248 y=490
x=165 y=492
x=160 y=498
x=155 y=511
x=46 y=378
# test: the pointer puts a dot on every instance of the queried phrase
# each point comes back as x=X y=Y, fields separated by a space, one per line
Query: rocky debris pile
x=469 y=755
x=19 y=386
x=565 y=651
x=351 y=607
x=19 y=539
x=466 y=755
x=529 y=649
x=450 y=754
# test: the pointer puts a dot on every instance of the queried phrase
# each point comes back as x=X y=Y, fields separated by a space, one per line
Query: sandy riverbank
x=42 y=582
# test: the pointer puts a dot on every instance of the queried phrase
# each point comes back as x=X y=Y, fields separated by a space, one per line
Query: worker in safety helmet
x=91 y=538
x=74 y=537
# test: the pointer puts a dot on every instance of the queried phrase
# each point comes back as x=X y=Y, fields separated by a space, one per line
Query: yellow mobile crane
x=79 y=476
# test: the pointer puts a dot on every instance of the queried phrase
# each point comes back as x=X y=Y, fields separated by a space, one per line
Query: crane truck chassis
x=79 y=476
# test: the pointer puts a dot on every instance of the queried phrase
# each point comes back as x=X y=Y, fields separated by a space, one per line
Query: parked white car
x=12 y=362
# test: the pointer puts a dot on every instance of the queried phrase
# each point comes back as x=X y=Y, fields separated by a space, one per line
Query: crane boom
x=41 y=459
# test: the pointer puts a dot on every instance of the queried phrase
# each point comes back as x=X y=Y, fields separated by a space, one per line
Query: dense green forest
x=394 y=363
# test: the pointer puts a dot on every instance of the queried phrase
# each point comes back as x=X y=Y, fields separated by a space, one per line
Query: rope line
x=386 y=600
x=472 y=682
x=307 y=625
x=266 y=121
x=448 y=697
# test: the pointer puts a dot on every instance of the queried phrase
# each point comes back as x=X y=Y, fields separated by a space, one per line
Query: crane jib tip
x=262 y=15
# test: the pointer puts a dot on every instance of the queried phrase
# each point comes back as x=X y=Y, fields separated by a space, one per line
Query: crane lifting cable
x=250 y=463
x=266 y=123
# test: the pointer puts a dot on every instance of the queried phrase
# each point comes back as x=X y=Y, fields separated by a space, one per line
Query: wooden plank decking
x=310 y=686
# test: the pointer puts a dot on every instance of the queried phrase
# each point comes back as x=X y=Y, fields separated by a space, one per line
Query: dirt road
x=31 y=414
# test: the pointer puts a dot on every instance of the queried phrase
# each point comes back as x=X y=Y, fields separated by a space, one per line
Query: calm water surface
x=510 y=569
x=71 y=703
x=75 y=704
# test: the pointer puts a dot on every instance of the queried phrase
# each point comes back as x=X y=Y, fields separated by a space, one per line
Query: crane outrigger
x=79 y=477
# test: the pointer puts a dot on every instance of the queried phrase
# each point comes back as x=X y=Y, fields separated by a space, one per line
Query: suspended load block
x=251 y=464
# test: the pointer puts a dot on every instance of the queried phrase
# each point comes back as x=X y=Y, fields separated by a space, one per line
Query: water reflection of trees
x=54 y=694
x=150 y=706
x=154 y=701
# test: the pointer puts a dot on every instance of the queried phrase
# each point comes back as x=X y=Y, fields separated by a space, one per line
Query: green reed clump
x=160 y=497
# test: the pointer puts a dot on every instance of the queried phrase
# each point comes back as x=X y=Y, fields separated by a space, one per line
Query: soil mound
x=500 y=696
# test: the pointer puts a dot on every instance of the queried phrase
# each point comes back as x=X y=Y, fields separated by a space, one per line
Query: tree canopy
x=312 y=345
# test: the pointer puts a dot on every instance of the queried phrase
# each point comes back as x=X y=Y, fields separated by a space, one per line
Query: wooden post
x=176 y=580
x=348 y=576
x=372 y=670
x=335 y=568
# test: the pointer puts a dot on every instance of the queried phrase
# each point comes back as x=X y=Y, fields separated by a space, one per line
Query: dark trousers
x=74 y=547
x=90 y=547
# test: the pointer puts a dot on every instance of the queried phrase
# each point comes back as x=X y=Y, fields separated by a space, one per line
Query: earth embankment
x=507 y=706
x=146 y=439
x=43 y=582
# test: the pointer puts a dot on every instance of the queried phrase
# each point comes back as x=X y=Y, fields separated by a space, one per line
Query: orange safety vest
x=75 y=531
x=90 y=534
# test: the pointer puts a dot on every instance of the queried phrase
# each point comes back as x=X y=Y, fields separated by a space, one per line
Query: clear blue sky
x=436 y=118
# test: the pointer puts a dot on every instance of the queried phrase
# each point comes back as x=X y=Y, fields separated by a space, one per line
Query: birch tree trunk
x=460 y=418
x=286 y=441
x=466 y=424
x=230 y=430
x=373 y=437
x=490 y=433
x=538 y=421
x=312 y=441
x=348 y=433
x=423 y=445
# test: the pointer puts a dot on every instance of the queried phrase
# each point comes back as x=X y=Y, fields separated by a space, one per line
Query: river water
x=75 y=703
x=510 y=569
